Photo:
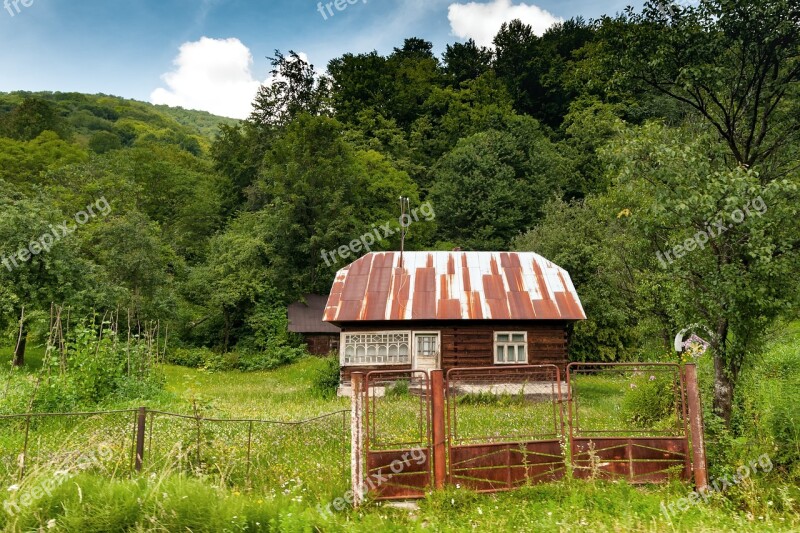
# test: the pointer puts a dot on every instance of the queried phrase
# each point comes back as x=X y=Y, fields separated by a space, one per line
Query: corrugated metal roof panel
x=452 y=286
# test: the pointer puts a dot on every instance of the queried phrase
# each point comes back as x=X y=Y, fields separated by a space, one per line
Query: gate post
x=437 y=406
x=357 y=437
x=696 y=427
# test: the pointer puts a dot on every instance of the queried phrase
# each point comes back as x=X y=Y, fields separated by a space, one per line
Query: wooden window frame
x=355 y=363
x=509 y=343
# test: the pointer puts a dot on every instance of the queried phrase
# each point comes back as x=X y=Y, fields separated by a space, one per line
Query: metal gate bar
x=397 y=440
x=512 y=436
x=628 y=444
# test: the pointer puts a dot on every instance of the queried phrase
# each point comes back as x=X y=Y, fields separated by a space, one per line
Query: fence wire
x=310 y=456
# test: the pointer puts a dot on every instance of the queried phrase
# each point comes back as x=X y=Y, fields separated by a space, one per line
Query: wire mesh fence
x=398 y=409
x=510 y=404
x=642 y=399
x=309 y=455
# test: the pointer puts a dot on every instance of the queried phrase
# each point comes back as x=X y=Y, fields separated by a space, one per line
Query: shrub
x=266 y=360
x=398 y=388
x=649 y=399
x=490 y=398
x=96 y=367
x=189 y=357
x=325 y=381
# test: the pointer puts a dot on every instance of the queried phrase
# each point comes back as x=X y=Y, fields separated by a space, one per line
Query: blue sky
x=125 y=47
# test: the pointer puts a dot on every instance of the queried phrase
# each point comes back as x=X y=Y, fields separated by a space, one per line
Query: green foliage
x=30 y=119
x=510 y=175
x=398 y=389
x=649 y=399
x=189 y=357
x=95 y=368
x=769 y=395
x=583 y=238
x=326 y=378
x=678 y=190
x=492 y=399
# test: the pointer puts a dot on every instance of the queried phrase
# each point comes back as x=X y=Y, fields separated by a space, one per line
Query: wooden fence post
x=696 y=427
x=438 y=430
x=357 y=437
x=141 y=422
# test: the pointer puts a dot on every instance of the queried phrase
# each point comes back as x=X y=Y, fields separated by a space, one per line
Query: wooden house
x=440 y=310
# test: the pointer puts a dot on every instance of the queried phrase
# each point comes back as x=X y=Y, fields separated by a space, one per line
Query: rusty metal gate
x=498 y=428
x=397 y=440
x=628 y=421
x=504 y=426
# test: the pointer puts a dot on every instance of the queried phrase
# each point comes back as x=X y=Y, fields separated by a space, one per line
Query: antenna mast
x=405 y=221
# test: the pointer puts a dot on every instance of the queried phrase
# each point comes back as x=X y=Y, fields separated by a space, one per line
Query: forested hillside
x=618 y=148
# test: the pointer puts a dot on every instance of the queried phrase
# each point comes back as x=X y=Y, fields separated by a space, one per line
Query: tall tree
x=734 y=63
x=294 y=89
x=722 y=240
x=40 y=262
x=493 y=185
x=466 y=61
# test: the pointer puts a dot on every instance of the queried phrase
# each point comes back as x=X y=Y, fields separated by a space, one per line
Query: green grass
x=282 y=394
x=297 y=471
x=33 y=356
x=176 y=503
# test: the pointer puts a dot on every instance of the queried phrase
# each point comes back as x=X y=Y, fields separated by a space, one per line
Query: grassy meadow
x=296 y=472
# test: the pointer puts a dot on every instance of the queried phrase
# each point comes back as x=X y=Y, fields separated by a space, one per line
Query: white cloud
x=214 y=75
x=481 y=22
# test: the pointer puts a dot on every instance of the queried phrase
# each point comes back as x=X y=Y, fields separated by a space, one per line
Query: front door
x=426 y=351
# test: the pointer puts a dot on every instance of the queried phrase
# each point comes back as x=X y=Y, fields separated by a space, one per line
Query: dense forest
x=652 y=154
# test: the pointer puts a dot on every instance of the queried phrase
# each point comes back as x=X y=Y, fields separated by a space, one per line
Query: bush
x=95 y=369
x=239 y=359
x=649 y=400
x=490 y=398
x=189 y=357
x=272 y=358
x=325 y=381
x=398 y=389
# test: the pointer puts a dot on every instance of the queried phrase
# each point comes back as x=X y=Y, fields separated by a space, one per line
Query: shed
x=305 y=318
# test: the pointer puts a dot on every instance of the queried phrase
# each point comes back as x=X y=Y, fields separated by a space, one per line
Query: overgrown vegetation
x=326 y=378
x=106 y=497
x=623 y=149
x=89 y=366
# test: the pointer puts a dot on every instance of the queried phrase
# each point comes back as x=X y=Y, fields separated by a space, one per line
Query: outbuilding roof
x=306 y=316
x=453 y=286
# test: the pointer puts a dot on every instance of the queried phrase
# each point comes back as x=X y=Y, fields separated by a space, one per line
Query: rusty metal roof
x=453 y=286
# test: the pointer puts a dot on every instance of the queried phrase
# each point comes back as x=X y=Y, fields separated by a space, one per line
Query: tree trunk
x=227 y=331
x=723 y=390
x=19 y=351
x=723 y=384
